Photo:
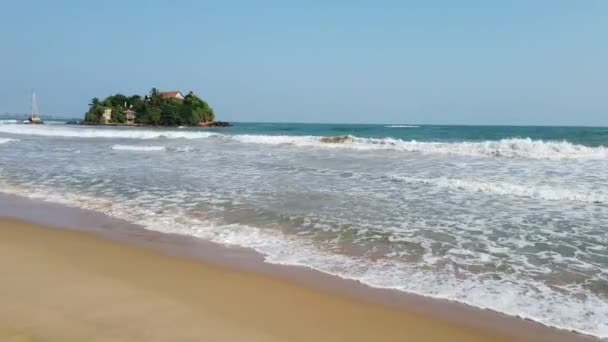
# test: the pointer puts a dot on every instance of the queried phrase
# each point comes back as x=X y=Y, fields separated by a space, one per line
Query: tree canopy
x=152 y=109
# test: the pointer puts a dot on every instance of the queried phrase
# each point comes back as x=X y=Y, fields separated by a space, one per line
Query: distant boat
x=34 y=117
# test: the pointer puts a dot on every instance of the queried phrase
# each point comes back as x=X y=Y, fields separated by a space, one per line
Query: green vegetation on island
x=169 y=108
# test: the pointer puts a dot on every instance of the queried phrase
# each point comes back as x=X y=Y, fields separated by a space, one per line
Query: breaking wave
x=5 y=140
x=90 y=132
x=506 y=148
x=401 y=126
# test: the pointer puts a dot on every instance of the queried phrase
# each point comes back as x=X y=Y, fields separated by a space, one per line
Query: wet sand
x=61 y=285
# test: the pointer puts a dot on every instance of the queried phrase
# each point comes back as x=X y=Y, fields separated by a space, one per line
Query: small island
x=167 y=108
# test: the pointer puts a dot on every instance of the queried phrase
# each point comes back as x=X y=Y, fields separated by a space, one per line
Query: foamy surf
x=503 y=148
x=401 y=126
x=507 y=189
x=6 y=140
x=511 y=296
x=507 y=148
x=98 y=132
x=138 y=148
x=514 y=225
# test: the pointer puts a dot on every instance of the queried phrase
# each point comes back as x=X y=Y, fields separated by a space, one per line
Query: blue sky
x=452 y=62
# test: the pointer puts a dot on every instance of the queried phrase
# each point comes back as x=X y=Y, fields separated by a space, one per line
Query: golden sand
x=60 y=285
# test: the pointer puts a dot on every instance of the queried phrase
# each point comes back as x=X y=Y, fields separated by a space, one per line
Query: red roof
x=169 y=94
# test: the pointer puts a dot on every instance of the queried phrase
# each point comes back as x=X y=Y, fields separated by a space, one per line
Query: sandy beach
x=326 y=171
x=61 y=285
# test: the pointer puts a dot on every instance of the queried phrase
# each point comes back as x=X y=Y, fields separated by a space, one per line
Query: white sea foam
x=54 y=122
x=183 y=149
x=504 y=188
x=94 y=132
x=138 y=148
x=8 y=121
x=277 y=139
x=509 y=148
x=401 y=126
x=6 y=140
x=514 y=296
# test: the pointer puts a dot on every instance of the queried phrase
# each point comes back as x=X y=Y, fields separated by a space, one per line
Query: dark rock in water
x=73 y=122
x=336 y=140
x=217 y=124
x=222 y=124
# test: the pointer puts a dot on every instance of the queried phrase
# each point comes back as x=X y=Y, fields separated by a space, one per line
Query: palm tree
x=94 y=102
x=154 y=96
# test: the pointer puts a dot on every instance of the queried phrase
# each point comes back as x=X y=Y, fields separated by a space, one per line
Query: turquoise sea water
x=590 y=136
x=512 y=219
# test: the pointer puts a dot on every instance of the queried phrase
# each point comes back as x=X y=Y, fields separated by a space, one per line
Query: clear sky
x=452 y=62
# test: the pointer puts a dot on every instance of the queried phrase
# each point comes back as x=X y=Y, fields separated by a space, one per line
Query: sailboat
x=34 y=117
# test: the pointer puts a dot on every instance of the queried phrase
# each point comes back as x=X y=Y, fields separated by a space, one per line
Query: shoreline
x=244 y=260
x=107 y=290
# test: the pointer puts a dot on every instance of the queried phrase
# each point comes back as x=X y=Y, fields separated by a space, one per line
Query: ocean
x=512 y=219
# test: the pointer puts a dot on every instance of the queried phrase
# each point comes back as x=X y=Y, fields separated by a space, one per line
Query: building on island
x=171 y=95
x=106 y=116
x=130 y=116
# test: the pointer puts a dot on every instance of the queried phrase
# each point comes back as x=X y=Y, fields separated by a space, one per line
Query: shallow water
x=508 y=218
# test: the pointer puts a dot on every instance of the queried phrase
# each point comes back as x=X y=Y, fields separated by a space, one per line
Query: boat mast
x=34 y=109
x=34 y=115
